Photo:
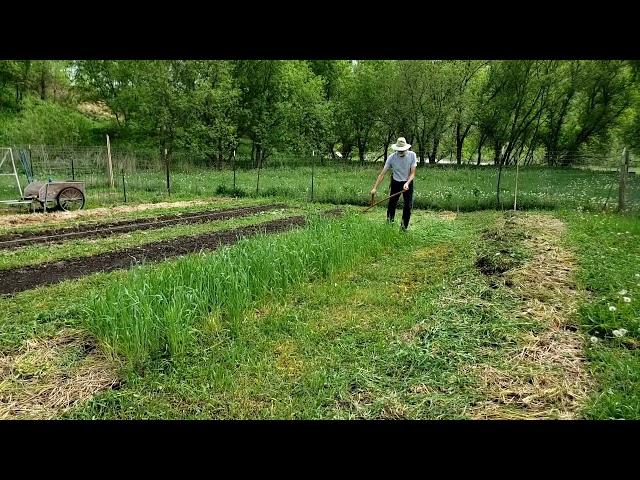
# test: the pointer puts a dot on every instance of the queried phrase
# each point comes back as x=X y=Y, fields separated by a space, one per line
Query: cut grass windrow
x=154 y=314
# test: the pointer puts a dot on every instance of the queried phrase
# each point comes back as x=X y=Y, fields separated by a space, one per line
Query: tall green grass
x=155 y=313
x=609 y=256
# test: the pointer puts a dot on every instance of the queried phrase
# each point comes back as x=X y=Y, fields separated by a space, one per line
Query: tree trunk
x=346 y=150
x=483 y=138
x=518 y=154
x=499 y=178
x=528 y=157
x=361 y=147
x=387 y=143
x=253 y=151
x=434 y=151
x=460 y=137
x=220 y=154
x=459 y=142
x=331 y=147
x=496 y=152
x=43 y=86
x=421 y=152
x=258 y=156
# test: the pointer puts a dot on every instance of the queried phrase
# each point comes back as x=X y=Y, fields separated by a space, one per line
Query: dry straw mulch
x=47 y=377
x=545 y=376
x=18 y=219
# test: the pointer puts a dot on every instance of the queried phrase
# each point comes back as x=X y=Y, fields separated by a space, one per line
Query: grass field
x=482 y=314
x=449 y=188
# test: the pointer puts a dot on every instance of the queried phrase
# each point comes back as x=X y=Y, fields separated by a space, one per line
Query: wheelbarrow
x=68 y=195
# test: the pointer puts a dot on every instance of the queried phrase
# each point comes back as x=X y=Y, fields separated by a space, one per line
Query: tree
x=115 y=82
x=467 y=82
x=212 y=130
x=302 y=109
x=429 y=91
x=359 y=107
x=393 y=114
x=586 y=100
x=331 y=72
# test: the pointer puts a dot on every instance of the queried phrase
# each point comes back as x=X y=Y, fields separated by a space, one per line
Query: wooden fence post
x=624 y=168
x=109 y=164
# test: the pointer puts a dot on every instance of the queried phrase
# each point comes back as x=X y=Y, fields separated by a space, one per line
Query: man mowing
x=403 y=166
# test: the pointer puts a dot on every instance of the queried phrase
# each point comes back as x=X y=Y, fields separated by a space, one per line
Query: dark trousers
x=393 y=202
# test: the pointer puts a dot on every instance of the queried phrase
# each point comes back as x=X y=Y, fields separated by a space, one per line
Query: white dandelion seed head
x=626 y=299
x=594 y=339
x=622 y=292
x=612 y=308
x=621 y=332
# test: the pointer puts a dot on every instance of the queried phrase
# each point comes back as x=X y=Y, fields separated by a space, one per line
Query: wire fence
x=141 y=176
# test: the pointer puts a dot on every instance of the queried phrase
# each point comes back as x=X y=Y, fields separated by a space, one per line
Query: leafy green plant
x=155 y=313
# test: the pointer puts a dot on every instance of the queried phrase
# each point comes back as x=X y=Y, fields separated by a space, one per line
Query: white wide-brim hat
x=401 y=145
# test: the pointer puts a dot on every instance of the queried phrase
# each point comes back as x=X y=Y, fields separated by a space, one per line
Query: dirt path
x=20 y=219
x=544 y=375
x=107 y=229
x=25 y=278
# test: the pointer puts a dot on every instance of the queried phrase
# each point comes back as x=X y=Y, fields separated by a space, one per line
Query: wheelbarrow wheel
x=70 y=199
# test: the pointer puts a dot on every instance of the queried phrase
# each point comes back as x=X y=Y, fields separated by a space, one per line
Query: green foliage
x=609 y=249
x=154 y=313
x=586 y=101
x=47 y=123
x=515 y=109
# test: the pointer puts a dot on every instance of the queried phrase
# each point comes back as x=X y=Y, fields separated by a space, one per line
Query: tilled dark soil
x=107 y=229
x=25 y=278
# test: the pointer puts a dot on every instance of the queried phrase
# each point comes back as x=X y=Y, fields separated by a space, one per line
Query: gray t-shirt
x=401 y=166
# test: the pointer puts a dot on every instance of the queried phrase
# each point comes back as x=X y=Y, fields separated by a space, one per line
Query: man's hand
x=373 y=191
x=405 y=187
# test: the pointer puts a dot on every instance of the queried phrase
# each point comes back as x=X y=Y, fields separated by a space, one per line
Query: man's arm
x=379 y=179
x=405 y=187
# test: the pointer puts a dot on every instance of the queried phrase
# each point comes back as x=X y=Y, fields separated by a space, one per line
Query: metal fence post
x=313 y=164
x=259 y=167
x=624 y=168
x=124 y=186
x=515 y=197
x=166 y=163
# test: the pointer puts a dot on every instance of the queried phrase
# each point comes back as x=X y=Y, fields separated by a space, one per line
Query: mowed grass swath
x=155 y=312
